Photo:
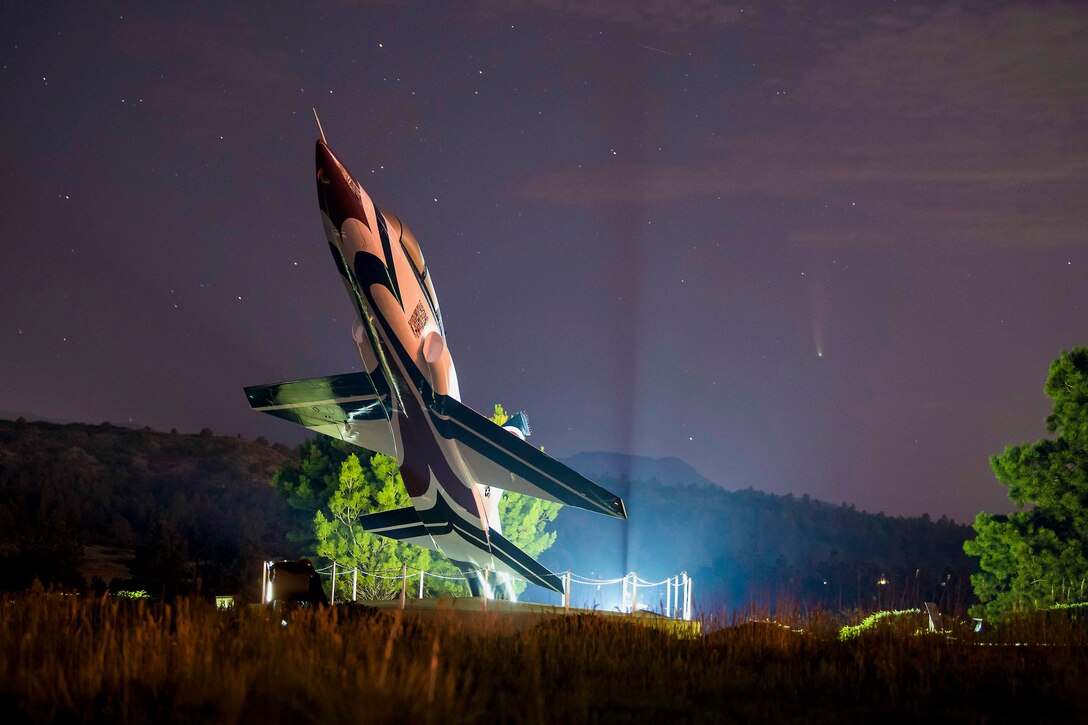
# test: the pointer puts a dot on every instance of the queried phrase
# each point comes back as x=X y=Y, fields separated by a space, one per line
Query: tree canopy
x=1037 y=556
x=341 y=538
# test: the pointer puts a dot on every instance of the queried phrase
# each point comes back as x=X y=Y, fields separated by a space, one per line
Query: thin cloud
x=946 y=127
x=661 y=15
x=181 y=59
x=1017 y=61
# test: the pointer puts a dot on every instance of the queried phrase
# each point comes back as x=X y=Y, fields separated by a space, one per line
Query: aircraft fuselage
x=401 y=340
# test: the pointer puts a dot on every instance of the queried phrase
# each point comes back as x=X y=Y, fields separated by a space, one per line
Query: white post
x=623 y=604
x=634 y=593
x=355 y=584
x=332 y=598
x=668 y=597
x=264 y=584
x=420 y=583
x=676 y=596
x=566 y=593
x=403 y=584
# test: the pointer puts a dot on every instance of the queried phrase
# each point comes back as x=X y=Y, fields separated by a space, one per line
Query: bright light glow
x=505 y=581
x=482 y=576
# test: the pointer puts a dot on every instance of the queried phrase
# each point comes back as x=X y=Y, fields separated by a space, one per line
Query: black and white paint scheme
x=456 y=464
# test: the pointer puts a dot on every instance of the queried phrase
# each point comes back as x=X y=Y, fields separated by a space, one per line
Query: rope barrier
x=676 y=605
x=583 y=580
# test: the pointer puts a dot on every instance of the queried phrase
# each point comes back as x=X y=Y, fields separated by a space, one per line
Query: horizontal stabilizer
x=501 y=459
x=402 y=524
x=517 y=562
x=348 y=407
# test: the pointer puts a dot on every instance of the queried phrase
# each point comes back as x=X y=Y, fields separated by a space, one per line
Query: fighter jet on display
x=455 y=462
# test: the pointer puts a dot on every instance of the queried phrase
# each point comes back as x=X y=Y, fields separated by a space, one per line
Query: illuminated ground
x=518 y=616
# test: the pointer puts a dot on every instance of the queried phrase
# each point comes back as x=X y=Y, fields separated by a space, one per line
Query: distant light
x=819 y=354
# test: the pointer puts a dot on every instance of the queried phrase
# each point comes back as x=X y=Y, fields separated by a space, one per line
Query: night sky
x=822 y=248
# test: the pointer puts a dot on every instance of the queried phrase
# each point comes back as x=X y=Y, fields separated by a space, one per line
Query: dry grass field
x=66 y=659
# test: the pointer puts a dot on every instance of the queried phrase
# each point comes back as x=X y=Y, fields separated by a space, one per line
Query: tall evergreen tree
x=1038 y=556
x=340 y=537
x=307 y=485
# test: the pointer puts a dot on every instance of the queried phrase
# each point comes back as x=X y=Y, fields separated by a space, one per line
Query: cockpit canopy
x=398 y=230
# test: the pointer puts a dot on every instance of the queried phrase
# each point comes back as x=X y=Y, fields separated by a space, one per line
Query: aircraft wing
x=402 y=524
x=346 y=406
x=500 y=459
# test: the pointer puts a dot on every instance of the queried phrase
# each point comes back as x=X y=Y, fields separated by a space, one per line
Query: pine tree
x=1037 y=557
x=341 y=538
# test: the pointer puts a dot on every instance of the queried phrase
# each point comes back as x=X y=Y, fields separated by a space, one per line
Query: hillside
x=79 y=501
x=195 y=512
x=745 y=546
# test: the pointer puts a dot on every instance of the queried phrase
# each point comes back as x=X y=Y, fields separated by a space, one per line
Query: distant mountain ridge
x=670 y=470
x=746 y=545
x=13 y=415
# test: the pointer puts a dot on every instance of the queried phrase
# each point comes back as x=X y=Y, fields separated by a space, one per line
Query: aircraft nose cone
x=338 y=194
x=328 y=166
